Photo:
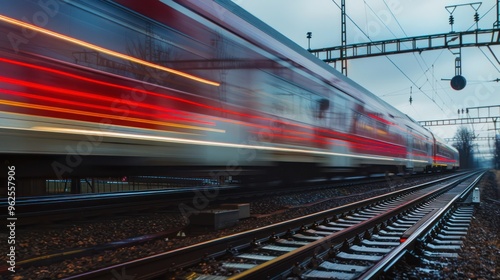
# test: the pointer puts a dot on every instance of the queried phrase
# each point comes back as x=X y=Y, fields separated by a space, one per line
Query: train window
x=283 y=105
x=364 y=125
x=341 y=114
x=322 y=107
x=382 y=128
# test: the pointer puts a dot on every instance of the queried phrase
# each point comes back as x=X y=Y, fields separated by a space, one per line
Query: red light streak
x=86 y=95
x=98 y=107
x=104 y=50
x=99 y=115
x=373 y=116
x=150 y=93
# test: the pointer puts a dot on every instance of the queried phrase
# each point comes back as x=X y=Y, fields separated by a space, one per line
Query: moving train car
x=445 y=157
x=159 y=86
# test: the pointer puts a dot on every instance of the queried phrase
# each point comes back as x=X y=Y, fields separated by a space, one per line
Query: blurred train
x=159 y=86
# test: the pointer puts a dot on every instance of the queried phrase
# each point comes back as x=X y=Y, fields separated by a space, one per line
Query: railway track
x=431 y=252
x=54 y=208
x=344 y=242
x=50 y=251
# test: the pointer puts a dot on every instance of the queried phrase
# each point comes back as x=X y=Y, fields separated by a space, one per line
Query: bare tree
x=464 y=145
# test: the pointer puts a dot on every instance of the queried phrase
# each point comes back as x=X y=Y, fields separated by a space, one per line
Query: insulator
x=476 y=17
x=452 y=20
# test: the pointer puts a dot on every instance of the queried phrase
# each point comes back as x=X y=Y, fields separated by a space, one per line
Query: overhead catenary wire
x=366 y=18
x=434 y=79
x=492 y=63
x=404 y=91
x=395 y=18
x=392 y=62
x=395 y=36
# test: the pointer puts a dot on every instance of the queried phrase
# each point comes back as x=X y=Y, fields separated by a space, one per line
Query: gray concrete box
x=216 y=219
x=243 y=208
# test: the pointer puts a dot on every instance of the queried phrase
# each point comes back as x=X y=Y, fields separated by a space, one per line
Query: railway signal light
x=458 y=82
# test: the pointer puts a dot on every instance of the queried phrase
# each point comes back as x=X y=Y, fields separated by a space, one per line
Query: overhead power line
x=392 y=62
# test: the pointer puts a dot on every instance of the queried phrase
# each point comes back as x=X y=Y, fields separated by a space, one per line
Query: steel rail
x=395 y=255
x=281 y=266
x=161 y=264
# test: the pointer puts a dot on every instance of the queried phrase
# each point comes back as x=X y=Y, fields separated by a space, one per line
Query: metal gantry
x=485 y=114
x=454 y=139
x=474 y=38
x=459 y=121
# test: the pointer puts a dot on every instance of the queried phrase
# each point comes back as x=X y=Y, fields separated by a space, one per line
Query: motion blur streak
x=103 y=116
x=87 y=105
x=235 y=113
x=247 y=97
x=73 y=93
x=200 y=142
x=104 y=50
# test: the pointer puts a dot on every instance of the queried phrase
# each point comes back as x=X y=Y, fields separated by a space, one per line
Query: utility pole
x=496 y=24
x=309 y=36
x=343 y=51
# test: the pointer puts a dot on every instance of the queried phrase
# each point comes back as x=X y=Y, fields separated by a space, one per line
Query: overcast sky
x=389 y=19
